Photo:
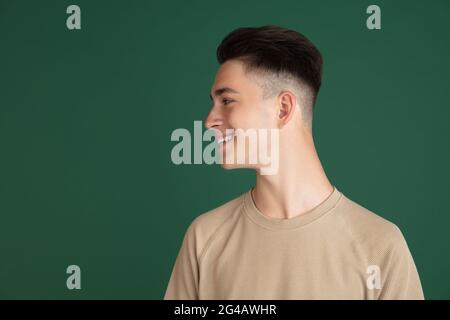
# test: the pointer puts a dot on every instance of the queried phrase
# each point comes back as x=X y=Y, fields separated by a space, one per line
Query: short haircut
x=279 y=57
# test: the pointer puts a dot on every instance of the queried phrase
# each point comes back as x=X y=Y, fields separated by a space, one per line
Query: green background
x=86 y=117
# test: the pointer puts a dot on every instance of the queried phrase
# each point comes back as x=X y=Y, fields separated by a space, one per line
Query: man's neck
x=299 y=186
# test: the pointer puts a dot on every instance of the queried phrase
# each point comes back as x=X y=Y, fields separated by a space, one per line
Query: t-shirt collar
x=300 y=220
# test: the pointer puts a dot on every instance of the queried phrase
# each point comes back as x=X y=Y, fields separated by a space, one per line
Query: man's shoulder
x=205 y=225
x=367 y=227
x=378 y=242
x=219 y=214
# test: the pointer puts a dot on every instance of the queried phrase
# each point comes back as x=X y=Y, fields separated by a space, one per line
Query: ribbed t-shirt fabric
x=337 y=250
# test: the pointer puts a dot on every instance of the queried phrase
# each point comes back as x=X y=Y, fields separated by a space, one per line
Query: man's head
x=269 y=76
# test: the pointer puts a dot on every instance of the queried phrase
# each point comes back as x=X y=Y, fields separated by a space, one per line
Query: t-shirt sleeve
x=400 y=277
x=183 y=282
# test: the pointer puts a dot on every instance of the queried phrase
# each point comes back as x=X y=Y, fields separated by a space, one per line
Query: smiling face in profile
x=238 y=108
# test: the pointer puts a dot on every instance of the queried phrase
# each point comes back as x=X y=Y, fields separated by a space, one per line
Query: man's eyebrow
x=222 y=90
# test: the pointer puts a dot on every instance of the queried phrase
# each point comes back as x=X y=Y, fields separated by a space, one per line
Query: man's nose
x=214 y=119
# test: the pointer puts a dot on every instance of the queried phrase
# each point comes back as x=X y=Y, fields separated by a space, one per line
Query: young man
x=294 y=235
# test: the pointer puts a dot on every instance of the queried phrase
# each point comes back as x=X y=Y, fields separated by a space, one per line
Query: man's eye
x=227 y=101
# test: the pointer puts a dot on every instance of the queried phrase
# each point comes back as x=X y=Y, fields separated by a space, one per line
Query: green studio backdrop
x=86 y=116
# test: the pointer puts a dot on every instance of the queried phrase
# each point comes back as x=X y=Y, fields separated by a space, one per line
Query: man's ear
x=287 y=104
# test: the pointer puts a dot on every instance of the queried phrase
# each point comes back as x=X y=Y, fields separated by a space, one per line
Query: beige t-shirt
x=337 y=250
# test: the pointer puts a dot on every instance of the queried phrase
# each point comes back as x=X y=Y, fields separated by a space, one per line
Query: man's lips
x=224 y=139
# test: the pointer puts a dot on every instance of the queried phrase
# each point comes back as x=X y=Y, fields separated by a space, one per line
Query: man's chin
x=231 y=166
x=228 y=166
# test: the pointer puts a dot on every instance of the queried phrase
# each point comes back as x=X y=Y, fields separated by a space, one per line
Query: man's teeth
x=226 y=139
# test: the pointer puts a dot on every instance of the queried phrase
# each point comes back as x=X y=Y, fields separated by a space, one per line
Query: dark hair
x=275 y=49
